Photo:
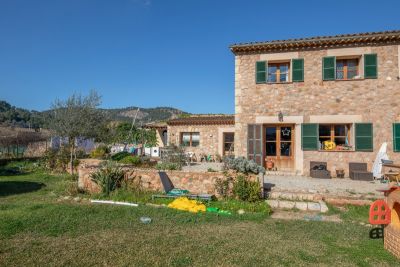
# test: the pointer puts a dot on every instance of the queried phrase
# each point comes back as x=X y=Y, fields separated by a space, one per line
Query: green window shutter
x=261 y=71
x=328 y=68
x=370 y=66
x=309 y=136
x=298 y=70
x=364 y=137
x=396 y=137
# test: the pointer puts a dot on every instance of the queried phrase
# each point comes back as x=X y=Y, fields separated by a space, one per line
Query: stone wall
x=195 y=182
x=211 y=138
x=373 y=100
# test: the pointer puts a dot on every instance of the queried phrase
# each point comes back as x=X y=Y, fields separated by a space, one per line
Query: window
x=278 y=72
x=350 y=67
x=190 y=139
x=347 y=69
x=334 y=137
x=229 y=140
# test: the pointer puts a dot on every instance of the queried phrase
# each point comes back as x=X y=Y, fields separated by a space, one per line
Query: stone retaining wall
x=195 y=182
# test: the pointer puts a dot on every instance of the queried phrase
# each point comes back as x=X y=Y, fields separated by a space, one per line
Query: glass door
x=279 y=144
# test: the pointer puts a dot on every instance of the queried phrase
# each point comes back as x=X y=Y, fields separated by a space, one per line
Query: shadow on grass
x=11 y=171
x=376 y=233
x=8 y=188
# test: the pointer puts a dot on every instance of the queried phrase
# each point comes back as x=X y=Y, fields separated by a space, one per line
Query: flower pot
x=270 y=164
x=340 y=173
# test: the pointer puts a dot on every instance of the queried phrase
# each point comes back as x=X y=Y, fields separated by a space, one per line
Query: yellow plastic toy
x=329 y=145
x=185 y=204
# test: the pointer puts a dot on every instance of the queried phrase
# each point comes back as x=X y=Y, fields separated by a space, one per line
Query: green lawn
x=37 y=229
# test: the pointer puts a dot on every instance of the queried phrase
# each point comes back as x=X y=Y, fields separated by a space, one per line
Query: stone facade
x=211 y=137
x=362 y=100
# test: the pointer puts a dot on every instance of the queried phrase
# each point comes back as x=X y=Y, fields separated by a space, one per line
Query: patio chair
x=359 y=171
x=172 y=192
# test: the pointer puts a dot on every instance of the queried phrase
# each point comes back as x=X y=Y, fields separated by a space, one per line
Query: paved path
x=302 y=184
x=333 y=186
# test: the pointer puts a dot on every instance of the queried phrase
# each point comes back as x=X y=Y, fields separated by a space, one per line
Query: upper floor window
x=278 y=72
x=347 y=69
x=190 y=139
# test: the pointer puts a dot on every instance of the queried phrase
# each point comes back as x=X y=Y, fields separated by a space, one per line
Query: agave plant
x=108 y=177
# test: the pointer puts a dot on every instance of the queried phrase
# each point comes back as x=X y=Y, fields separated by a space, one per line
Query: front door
x=279 y=146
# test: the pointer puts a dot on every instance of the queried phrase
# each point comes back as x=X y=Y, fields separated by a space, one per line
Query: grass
x=38 y=229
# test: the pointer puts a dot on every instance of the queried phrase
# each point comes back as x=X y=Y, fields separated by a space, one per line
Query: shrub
x=174 y=154
x=120 y=155
x=211 y=170
x=133 y=160
x=168 y=166
x=99 y=152
x=223 y=186
x=109 y=177
x=243 y=165
x=56 y=160
x=246 y=190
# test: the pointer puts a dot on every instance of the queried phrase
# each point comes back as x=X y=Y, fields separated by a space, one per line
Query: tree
x=77 y=116
x=126 y=134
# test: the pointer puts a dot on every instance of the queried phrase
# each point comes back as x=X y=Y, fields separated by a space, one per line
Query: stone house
x=334 y=99
x=203 y=134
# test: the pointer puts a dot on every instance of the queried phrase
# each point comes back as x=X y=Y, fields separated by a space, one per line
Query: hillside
x=20 y=117
x=144 y=115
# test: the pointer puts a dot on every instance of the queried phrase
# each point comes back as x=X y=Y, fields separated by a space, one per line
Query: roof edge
x=319 y=42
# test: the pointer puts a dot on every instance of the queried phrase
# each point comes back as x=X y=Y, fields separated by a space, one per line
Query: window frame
x=345 y=59
x=278 y=71
x=190 y=139
x=332 y=136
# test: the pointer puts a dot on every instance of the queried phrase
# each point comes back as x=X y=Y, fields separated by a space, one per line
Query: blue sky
x=155 y=52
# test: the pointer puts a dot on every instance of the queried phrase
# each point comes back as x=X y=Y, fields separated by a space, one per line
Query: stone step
x=281 y=173
x=316 y=197
x=295 y=196
x=319 y=206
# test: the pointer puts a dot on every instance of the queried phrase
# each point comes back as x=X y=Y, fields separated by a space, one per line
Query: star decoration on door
x=285 y=131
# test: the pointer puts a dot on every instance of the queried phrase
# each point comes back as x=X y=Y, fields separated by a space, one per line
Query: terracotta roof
x=319 y=42
x=156 y=125
x=204 y=120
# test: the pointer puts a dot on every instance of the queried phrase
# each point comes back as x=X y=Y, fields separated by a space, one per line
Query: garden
x=48 y=217
x=46 y=220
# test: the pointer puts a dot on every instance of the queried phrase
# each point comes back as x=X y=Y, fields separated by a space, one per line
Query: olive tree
x=78 y=116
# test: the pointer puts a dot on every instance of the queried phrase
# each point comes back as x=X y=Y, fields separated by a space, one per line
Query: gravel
x=325 y=186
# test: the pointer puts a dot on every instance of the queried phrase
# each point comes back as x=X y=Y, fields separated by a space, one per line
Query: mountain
x=19 y=117
x=144 y=115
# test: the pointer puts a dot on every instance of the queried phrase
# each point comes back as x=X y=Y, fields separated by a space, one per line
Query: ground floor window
x=229 y=140
x=190 y=139
x=334 y=136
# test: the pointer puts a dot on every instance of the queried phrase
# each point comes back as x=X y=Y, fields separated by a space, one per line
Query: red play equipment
x=379 y=213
